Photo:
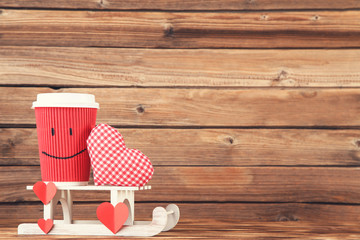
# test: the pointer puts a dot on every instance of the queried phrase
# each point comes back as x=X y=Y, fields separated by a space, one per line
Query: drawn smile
x=64 y=157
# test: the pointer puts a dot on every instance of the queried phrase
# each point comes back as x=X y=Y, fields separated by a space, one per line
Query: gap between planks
x=183 y=11
x=334 y=128
x=228 y=87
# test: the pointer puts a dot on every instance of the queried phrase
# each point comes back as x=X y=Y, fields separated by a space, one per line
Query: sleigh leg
x=49 y=209
x=66 y=204
x=127 y=197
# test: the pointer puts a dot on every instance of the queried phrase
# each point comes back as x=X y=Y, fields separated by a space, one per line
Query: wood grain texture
x=213 y=229
x=203 y=184
x=266 y=212
x=183 y=5
x=201 y=107
x=325 y=29
x=210 y=147
x=53 y=66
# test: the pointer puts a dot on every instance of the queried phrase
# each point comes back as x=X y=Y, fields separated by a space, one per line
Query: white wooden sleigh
x=163 y=219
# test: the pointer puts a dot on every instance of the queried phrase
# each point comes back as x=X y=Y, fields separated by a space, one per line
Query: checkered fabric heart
x=113 y=163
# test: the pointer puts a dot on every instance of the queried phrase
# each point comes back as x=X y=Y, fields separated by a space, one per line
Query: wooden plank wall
x=249 y=110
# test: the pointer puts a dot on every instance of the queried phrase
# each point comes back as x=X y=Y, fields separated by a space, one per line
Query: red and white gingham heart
x=113 y=163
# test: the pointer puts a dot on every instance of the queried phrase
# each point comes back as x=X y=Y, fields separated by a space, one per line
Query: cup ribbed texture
x=62 y=134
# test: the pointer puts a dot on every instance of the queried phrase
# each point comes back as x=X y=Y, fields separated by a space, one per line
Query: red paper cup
x=64 y=122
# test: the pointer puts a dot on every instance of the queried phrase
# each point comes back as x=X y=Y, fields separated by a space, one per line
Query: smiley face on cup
x=64 y=122
x=73 y=137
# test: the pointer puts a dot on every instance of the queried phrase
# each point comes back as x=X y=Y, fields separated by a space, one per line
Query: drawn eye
x=52 y=131
x=70 y=131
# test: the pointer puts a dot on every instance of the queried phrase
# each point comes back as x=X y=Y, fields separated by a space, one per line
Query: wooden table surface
x=226 y=229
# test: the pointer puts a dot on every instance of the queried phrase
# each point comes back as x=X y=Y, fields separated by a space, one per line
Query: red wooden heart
x=45 y=226
x=113 y=163
x=112 y=217
x=45 y=192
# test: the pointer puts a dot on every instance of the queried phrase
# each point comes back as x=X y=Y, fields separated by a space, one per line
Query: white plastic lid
x=65 y=100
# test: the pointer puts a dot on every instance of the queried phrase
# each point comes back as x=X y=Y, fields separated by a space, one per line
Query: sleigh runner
x=163 y=219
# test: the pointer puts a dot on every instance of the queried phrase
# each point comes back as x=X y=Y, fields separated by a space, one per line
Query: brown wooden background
x=249 y=110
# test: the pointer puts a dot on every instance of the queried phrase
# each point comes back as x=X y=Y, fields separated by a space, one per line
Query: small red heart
x=112 y=217
x=45 y=192
x=45 y=226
